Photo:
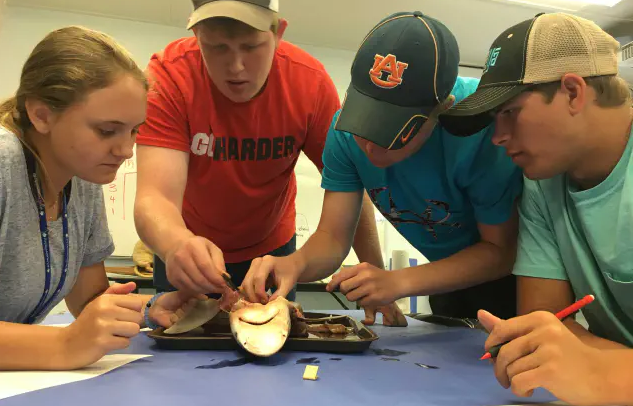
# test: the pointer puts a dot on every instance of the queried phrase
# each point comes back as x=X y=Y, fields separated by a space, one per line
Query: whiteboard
x=120 y=194
x=119 y=203
x=309 y=201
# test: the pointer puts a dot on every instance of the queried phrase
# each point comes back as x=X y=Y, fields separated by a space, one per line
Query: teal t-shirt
x=436 y=197
x=586 y=238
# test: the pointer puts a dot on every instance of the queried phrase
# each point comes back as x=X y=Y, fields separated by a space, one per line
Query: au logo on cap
x=387 y=65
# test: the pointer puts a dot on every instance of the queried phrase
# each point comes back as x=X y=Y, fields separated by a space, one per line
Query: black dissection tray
x=216 y=335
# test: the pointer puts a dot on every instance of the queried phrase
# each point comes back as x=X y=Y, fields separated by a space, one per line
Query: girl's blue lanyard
x=41 y=209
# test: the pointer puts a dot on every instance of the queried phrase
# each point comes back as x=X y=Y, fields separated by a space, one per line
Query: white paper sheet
x=17 y=383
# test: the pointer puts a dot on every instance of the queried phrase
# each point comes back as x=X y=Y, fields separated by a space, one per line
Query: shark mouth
x=261 y=330
x=257 y=317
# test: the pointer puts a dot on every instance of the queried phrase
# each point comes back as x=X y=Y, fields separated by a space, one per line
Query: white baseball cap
x=259 y=14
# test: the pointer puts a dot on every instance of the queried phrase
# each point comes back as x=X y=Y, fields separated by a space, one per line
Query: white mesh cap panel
x=561 y=43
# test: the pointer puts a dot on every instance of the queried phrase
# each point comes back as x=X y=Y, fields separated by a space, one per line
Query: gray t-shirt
x=22 y=266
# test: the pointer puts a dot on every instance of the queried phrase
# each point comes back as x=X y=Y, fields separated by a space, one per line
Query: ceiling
x=343 y=23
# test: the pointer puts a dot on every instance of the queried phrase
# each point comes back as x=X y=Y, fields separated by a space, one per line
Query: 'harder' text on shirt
x=242 y=149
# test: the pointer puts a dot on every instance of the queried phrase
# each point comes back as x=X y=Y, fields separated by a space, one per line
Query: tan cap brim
x=257 y=17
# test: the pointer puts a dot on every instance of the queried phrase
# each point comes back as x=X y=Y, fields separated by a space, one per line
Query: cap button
x=418 y=14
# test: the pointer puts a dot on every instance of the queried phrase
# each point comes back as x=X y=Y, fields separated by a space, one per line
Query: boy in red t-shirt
x=230 y=112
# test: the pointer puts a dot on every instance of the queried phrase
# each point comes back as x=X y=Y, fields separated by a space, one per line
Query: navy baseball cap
x=405 y=67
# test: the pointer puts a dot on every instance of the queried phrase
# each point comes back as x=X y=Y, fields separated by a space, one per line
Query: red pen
x=563 y=314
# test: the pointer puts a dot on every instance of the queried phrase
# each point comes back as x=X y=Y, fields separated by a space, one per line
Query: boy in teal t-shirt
x=453 y=198
x=565 y=117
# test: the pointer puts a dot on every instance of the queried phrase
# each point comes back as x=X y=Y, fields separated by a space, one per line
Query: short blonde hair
x=611 y=91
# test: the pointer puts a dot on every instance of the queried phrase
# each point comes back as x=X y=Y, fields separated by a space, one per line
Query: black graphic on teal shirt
x=436 y=214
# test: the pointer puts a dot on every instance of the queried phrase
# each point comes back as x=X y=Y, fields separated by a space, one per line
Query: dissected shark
x=261 y=329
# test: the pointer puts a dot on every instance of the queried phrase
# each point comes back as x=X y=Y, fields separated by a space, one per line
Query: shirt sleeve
x=339 y=172
x=99 y=245
x=11 y=179
x=493 y=183
x=327 y=104
x=166 y=124
x=538 y=254
x=5 y=181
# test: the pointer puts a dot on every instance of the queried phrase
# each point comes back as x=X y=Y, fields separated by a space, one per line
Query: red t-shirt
x=241 y=184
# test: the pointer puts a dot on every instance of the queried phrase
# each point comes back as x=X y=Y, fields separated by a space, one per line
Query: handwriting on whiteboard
x=302 y=227
x=115 y=195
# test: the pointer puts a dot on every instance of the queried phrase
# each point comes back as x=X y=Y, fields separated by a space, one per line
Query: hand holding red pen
x=561 y=315
x=541 y=352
